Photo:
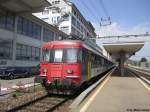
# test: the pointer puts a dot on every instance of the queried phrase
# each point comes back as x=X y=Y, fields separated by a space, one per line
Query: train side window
x=80 y=55
x=84 y=56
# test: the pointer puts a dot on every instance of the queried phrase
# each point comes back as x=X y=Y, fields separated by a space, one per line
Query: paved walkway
x=119 y=94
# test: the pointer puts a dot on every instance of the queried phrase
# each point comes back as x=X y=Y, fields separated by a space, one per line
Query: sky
x=127 y=17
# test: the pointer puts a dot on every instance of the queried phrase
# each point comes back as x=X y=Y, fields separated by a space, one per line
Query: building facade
x=68 y=18
x=21 y=38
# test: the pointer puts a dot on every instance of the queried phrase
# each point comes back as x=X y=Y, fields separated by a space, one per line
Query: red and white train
x=67 y=64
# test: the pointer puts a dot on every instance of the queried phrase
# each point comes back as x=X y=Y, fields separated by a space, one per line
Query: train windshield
x=66 y=55
x=46 y=55
x=57 y=56
x=72 y=55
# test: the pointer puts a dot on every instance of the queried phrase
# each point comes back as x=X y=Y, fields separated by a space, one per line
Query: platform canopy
x=122 y=50
x=24 y=6
x=123 y=46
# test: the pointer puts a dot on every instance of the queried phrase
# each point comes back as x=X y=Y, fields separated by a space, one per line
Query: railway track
x=41 y=102
x=143 y=75
x=45 y=104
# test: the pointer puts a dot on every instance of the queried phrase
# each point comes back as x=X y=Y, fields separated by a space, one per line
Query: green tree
x=143 y=59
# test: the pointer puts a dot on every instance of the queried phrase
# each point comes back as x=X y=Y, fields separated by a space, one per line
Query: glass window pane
x=5 y=49
x=73 y=57
x=46 y=55
x=30 y=29
x=10 y=22
x=25 y=26
x=58 y=55
x=2 y=21
x=74 y=21
x=48 y=35
x=20 y=25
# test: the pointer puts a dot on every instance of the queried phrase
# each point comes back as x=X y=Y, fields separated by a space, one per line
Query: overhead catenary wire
x=89 y=10
x=107 y=20
x=104 y=8
x=94 y=7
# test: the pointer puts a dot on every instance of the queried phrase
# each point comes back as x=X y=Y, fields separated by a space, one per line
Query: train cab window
x=58 y=55
x=46 y=55
x=73 y=55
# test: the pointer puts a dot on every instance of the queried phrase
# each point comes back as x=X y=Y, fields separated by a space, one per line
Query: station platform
x=118 y=94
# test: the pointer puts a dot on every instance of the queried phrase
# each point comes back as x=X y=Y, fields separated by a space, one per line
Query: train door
x=84 y=64
x=89 y=65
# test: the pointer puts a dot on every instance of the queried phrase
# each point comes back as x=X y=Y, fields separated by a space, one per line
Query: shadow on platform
x=117 y=73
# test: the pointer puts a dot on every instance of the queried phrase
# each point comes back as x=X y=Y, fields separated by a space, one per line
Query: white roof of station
x=128 y=47
x=24 y=6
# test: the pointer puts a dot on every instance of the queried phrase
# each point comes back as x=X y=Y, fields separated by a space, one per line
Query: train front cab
x=61 y=67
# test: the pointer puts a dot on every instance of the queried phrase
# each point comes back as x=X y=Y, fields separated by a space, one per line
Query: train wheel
x=10 y=76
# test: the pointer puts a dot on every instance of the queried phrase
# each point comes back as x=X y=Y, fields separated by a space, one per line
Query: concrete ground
x=118 y=94
x=10 y=83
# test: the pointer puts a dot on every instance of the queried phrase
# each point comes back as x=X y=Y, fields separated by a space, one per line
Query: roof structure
x=24 y=6
x=129 y=47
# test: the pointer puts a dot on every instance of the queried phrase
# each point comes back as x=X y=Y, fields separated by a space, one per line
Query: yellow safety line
x=146 y=86
x=84 y=108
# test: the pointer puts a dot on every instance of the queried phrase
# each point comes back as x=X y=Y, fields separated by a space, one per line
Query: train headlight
x=69 y=71
x=45 y=70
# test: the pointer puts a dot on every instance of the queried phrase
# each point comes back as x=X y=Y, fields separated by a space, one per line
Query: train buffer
x=118 y=94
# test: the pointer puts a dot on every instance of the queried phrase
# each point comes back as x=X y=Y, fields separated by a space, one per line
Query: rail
x=45 y=102
x=141 y=74
x=147 y=71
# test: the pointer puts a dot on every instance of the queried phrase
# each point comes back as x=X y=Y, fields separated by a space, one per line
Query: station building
x=68 y=18
x=22 y=34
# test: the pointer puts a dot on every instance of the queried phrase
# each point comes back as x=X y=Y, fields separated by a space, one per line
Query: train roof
x=69 y=43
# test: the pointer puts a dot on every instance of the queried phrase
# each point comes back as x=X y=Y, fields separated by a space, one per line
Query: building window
x=74 y=12
x=28 y=53
x=2 y=21
x=73 y=30
x=10 y=22
x=65 y=29
x=25 y=27
x=6 y=48
x=78 y=25
x=30 y=32
x=74 y=21
x=45 y=19
x=28 y=28
x=58 y=18
x=64 y=9
x=7 y=21
x=20 y=25
x=56 y=2
x=36 y=31
x=37 y=54
x=66 y=17
x=55 y=19
x=81 y=28
x=48 y=35
x=54 y=11
x=45 y=12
